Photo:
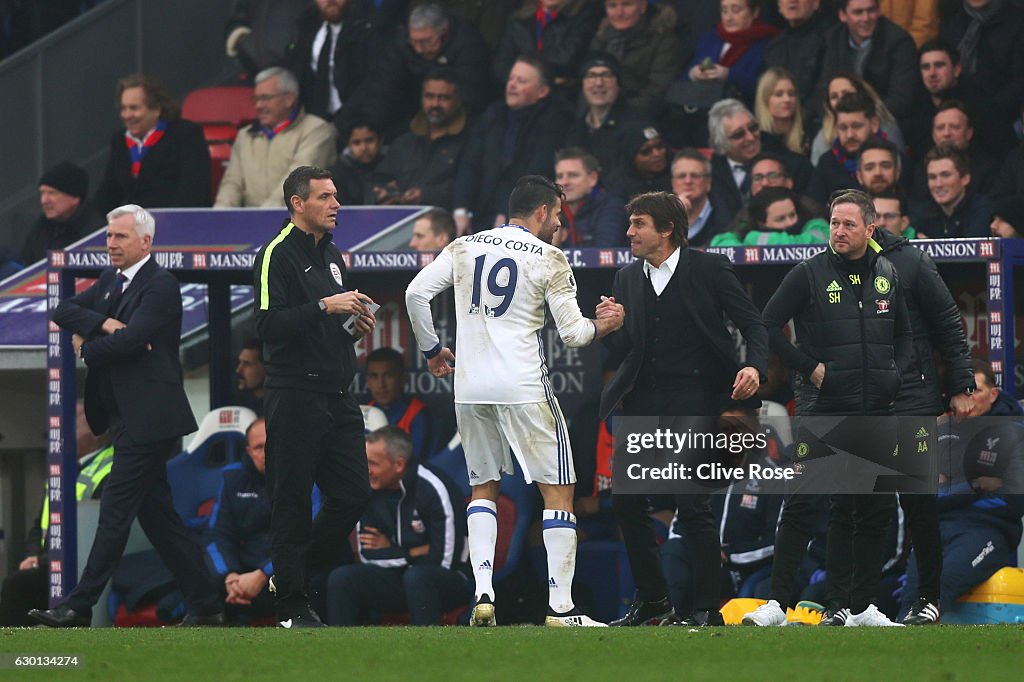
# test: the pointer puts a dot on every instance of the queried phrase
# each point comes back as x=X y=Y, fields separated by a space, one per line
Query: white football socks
x=482 y=519
x=560 y=543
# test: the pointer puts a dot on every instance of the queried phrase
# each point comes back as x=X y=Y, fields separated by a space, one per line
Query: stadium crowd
x=753 y=114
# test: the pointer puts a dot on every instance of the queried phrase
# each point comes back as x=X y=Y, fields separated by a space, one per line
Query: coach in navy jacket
x=127 y=329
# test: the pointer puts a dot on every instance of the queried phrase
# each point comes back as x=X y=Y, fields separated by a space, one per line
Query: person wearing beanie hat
x=1008 y=218
x=66 y=215
x=596 y=127
x=645 y=166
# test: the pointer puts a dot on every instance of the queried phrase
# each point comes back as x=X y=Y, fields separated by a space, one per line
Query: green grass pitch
x=524 y=653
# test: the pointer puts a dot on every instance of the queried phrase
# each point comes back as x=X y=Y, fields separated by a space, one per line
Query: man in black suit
x=676 y=357
x=127 y=328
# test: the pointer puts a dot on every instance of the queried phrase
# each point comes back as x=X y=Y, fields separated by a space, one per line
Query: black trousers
x=794 y=534
x=922 y=514
x=312 y=437
x=695 y=514
x=856 y=549
x=21 y=592
x=137 y=488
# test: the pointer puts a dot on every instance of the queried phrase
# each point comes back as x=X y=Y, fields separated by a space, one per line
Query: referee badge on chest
x=336 y=274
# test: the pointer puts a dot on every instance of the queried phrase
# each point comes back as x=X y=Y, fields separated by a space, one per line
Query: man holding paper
x=309 y=323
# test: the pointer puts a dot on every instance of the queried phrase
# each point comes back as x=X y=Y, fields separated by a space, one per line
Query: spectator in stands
x=952 y=127
x=596 y=129
x=879 y=167
x=856 y=124
x=239 y=547
x=432 y=231
x=799 y=48
x=1008 y=219
x=259 y=32
x=980 y=510
x=513 y=138
x=641 y=35
x=990 y=37
x=434 y=38
x=283 y=137
x=733 y=53
x=891 y=213
x=736 y=140
x=919 y=18
x=28 y=587
x=422 y=162
x=778 y=112
x=1011 y=174
x=691 y=182
x=768 y=170
x=647 y=169
x=955 y=210
x=332 y=56
x=876 y=49
x=846 y=83
x=67 y=214
x=940 y=71
x=356 y=173
x=411 y=540
x=591 y=217
x=558 y=31
x=251 y=374
x=774 y=216
x=489 y=17
x=159 y=160
x=385 y=382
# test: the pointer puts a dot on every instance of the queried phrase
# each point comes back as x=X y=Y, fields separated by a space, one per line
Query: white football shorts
x=535 y=433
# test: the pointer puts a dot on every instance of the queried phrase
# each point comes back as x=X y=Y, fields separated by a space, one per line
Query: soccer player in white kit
x=503 y=400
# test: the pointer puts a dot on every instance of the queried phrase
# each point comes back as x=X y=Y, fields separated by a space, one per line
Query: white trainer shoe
x=871 y=617
x=766 y=615
x=572 y=619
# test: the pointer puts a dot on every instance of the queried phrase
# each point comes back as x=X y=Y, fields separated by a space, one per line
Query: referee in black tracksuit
x=855 y=343
x=314 y=424
x=935 y=321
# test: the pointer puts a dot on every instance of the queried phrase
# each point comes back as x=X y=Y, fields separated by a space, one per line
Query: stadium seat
x=228 y=105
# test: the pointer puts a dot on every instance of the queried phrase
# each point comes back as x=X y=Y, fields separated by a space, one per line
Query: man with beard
x=503 y=280
x=423 y=161
x=879 y=167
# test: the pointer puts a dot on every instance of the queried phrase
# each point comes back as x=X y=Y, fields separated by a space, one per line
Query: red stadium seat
x=229 y=104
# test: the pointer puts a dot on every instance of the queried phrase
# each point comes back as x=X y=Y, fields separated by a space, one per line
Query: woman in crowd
x=733 y=53
x=842 y=83
x=778 y=113
x=774 y=216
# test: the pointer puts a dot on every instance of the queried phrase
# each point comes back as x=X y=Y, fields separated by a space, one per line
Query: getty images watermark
x=819 y=455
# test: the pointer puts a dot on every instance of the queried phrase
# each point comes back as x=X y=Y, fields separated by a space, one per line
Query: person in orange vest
x=385 y=381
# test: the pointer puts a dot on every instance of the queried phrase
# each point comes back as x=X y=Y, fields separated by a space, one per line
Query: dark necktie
x=745 y=185
x=321 y=101
x=115 y=295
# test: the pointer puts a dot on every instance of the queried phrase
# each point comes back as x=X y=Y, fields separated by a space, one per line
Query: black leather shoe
x=305 y=619
x=701 y=619
x=211 y=620
x=62 y=616
x=646 y=613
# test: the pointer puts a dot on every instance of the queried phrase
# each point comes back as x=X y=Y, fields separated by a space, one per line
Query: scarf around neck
x=741 y=41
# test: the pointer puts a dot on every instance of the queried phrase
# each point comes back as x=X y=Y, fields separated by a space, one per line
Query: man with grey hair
x=283 y=137
x=412 y=539
x=127 y=329
x=433 y=39
x=736 y=139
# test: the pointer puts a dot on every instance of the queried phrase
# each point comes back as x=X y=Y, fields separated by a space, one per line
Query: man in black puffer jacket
x=850 y=312
x=935 y=320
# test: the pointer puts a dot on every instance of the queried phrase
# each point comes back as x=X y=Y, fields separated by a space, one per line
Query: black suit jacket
x=147 y=384
x=710 y=289
x=175 y=171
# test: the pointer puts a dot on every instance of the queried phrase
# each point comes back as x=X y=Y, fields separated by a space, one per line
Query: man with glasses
x=284 y=136
x=597 y=128
x=736 y=139
x=768 y=170
x=691 y=182
x=891 y=212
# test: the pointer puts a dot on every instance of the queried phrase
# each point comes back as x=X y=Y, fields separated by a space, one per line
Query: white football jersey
x=502 y=279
